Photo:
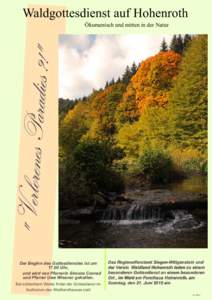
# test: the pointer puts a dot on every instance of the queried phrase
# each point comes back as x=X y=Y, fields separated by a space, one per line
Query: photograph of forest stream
x=133 y=141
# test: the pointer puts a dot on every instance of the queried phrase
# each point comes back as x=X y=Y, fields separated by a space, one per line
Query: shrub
x=204 y=168
x=87 y=171
x=189 y=161
x=74 y=189
x=94 y=160
x=156 y=165
x=192 y=166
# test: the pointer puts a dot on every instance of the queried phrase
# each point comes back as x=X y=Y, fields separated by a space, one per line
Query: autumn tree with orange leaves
x=154 y=79
x=156 y=115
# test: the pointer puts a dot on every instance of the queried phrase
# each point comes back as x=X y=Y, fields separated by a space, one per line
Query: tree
x=65 y=106
x=177 y=44
x=112 y=81
x=74 y=125
x=164 y=46
x=173 y=44
x=128 y=138
x=127 y=110
x=154 y=128
x=126 y=76
x=156 y=165
x=94 y=161
x=102 y=111
x=133 y=69
x=186 y=40
x=188 y=99
x=154 y=79
x=118 y=80
x=180 y=46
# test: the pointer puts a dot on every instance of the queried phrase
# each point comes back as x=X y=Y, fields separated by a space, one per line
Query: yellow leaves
x=79 y=112
x=127 y=110
x=74 y=126
x=99 y=103
x=128 y=138
x=182 y=155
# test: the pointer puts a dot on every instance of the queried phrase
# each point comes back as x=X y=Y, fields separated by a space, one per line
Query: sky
x=86 y=62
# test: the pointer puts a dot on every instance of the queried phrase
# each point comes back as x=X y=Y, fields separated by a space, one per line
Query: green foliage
x=177 y=44
x=193 y=166
x=152 y=120
x=186 y=41
x=154 y=126
x=127 y=75
x=127 y=110
x=150 y=131
x=65 y=106
x=188 y=161
x=163 y=46
x=74 y=189
x=156 y=165
x=128 y=138
x=94 y=160
x=74 y=125
x=204 y=168
x=188 y=100
x=87 y=171
x=173 y=44
x=133 y=69
x=102 y=111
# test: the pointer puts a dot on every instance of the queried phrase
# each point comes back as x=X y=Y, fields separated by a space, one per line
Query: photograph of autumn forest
x=133 y=141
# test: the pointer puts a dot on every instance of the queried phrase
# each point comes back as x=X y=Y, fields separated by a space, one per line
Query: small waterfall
x=130 y=212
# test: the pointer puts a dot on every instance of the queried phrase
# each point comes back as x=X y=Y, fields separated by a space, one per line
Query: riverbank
x=175 y=210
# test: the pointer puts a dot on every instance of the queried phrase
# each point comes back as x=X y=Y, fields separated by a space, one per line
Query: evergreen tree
x=112 y=81
x=180 y=46
x=126 y=76
x=187 y=39
x=65 y=106
x=163 y=46
x=173 y=44
x=188 y=101
x=133 y=69
x=118 y=80
x=177 y=44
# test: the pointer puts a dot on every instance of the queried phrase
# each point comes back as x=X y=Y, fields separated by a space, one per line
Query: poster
x=106 y=131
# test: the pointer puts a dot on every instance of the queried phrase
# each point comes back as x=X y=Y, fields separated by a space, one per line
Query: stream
x=166 y=216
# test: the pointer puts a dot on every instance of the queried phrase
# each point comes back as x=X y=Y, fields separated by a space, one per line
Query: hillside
x=150 y=124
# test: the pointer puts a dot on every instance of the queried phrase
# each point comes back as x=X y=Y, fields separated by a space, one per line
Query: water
x=131 y=235
x=194 y=184
x=139 y=226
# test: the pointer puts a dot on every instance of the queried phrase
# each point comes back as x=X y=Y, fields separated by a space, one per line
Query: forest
x=148 y=126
